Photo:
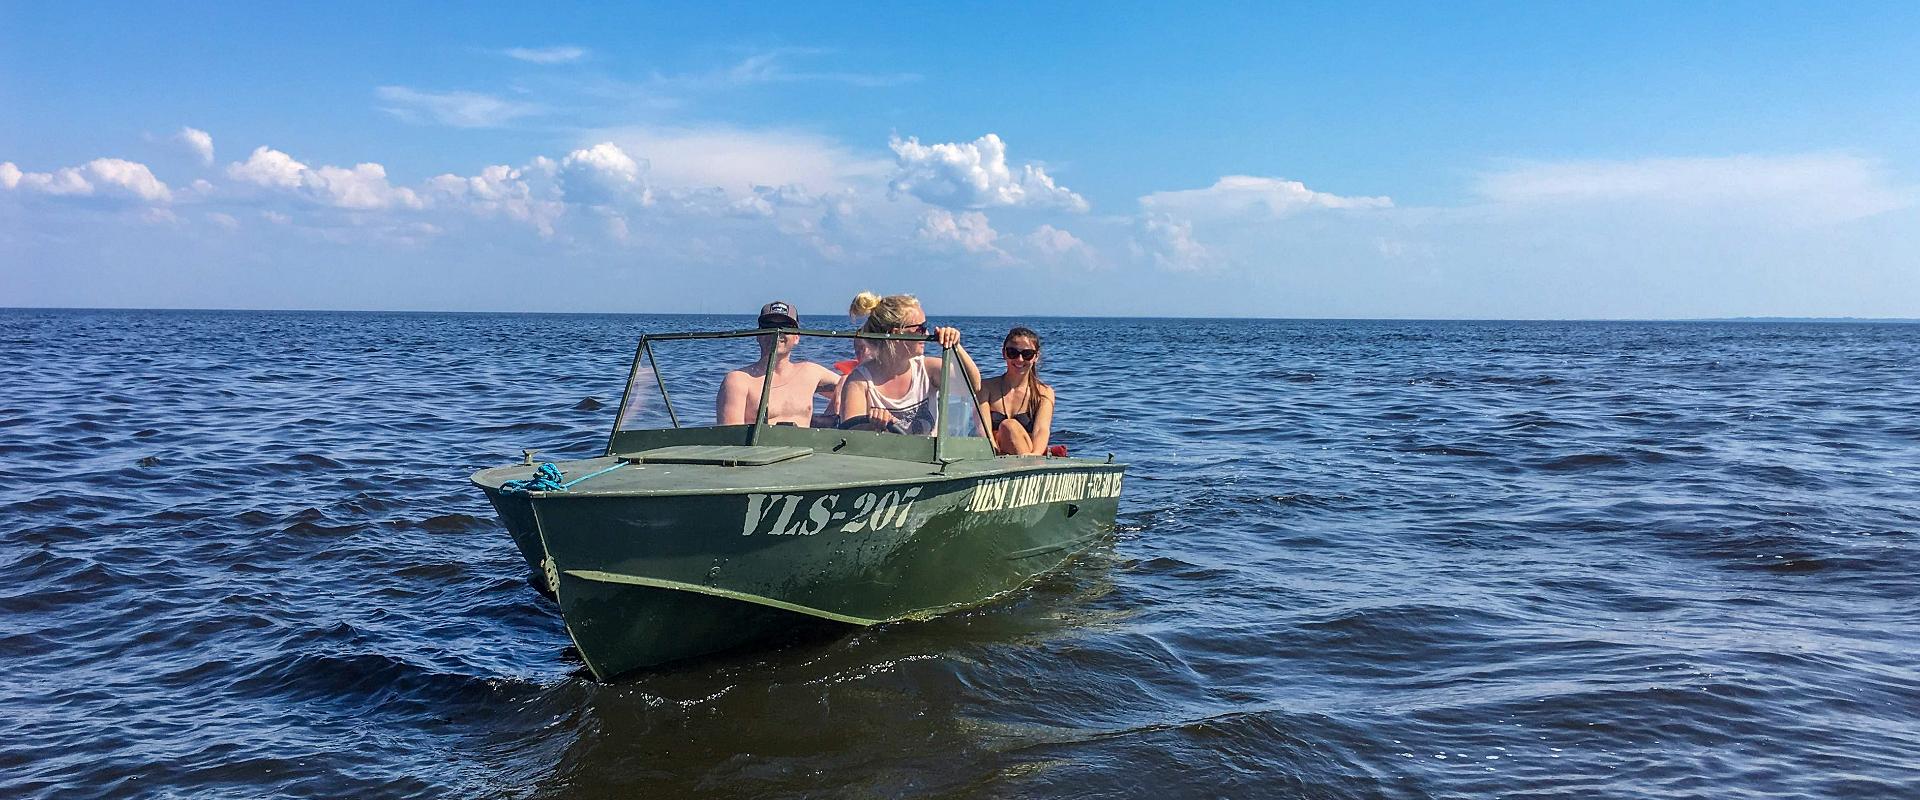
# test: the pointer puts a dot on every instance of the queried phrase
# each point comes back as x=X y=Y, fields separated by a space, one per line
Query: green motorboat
x=685 y=539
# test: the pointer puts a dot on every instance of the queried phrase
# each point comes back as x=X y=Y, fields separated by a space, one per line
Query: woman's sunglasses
x=920 y=328
x=1023 y=355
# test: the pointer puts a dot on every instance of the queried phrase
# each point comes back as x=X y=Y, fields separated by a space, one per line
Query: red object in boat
x=845 y=367
x=1057 y=451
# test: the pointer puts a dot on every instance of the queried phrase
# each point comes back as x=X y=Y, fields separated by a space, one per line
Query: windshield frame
x=930 y=449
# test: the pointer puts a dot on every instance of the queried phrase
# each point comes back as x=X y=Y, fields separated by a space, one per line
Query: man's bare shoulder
x=818 y=368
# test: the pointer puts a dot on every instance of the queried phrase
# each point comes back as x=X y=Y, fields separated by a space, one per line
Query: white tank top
x=915 y=409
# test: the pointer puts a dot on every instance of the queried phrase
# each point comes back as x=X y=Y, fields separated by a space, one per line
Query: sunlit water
x=239 y=557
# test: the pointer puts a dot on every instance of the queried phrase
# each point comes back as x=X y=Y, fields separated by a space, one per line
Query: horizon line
x=1747 y=318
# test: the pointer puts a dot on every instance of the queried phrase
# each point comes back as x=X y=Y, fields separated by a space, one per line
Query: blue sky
x=1434 y=160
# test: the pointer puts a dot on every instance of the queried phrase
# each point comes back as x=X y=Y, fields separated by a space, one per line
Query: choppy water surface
x=239 y=557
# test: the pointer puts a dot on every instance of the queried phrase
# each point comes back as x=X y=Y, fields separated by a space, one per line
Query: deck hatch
x=718 y=454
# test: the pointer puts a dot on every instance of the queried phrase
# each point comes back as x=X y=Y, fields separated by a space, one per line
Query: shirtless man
x=795 y=383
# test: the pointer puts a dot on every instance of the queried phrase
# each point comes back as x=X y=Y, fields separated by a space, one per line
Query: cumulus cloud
x=1169 y=244
x=973 y=175
x=1054 y=245
x=562 y=54
x=199 y=142
x=129 y=178
x=268 y=167
x=968 y=230
x=111 y=178
x=604 y=175
x=505 y=191
x=1239 y=195
x=456 y=109
x=611 y=187
x=1806 y=188
x=362 y=187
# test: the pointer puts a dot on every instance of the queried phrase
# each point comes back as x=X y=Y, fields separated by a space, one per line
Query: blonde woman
x=896 y=387
x=1018 y=405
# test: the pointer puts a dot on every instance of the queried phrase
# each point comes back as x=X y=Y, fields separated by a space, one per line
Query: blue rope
x=569 y=484
x=547 y=479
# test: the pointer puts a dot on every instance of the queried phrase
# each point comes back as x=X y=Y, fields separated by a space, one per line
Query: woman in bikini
x=896 y=386
x=1018 y=405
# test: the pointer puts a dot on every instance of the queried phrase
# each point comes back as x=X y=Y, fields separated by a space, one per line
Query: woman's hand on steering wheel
x=874 y=422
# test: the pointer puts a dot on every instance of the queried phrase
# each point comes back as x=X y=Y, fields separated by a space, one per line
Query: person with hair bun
x=896 y=387
x=862 y=306
x=1017 y=404
x=857 y=311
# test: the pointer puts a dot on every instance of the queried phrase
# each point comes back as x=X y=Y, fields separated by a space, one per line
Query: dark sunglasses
x=1024 y=355
x=920 y=328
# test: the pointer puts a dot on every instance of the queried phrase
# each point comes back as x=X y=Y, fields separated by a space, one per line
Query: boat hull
x=643 y=580
x=516 y=512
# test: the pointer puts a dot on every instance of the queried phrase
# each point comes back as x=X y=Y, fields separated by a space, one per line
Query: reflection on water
x=1355 y=559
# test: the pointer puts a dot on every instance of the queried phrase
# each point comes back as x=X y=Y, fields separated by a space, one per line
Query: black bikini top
x=1025 y=418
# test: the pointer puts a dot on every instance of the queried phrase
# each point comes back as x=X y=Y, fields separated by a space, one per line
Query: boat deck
x=653 y=473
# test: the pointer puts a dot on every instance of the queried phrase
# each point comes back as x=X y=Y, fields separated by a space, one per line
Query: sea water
x=239 y=556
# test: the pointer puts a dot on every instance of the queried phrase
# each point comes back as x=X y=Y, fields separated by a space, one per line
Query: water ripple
x=1354 y=559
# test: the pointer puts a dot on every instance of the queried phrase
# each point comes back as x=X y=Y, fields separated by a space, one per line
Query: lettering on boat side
x=791 y=515
x=996 y=494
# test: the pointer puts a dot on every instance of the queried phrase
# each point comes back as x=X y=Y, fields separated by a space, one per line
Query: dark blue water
x=239 y=557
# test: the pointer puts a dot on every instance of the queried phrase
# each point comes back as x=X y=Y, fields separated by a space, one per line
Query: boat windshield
x=708 y=380
x=962 y=414
x=679 y=382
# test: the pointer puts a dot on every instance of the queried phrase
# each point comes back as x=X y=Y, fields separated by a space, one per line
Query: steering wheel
x=864 y=420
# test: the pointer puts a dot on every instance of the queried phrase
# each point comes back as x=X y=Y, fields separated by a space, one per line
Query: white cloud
x=223 y=220
x=1798 y=188
x=1239 y=211
x=129 y=178
x=1058 y=246
x=362 y=187
x=959 y=175
x=604 y=175
x=505 y=191
x=111 y=178
x=268 y=167
x=457 y=109
x=737 y=159
x=766 y=201
x=563 y=54
x=968 y=230
x=198 y=141
x=606 y=187
x=1236 y=195
x=772 y=66
x=1170 y=245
